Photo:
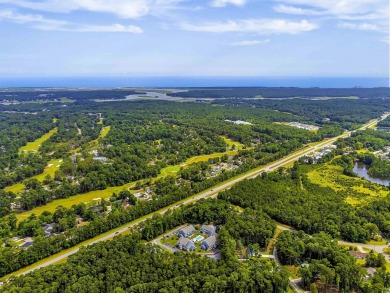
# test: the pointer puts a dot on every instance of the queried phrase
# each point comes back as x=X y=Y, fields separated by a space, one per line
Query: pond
x=385 y=129
x=362 y=171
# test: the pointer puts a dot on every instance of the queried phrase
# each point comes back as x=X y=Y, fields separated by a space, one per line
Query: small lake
x=362 y=171
x=385 y=129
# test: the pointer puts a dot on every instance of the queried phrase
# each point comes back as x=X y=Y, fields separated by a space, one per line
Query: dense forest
x=283 y=92
x=94 y=146
x=136 y=267
x=384 y=123
x=295 y=201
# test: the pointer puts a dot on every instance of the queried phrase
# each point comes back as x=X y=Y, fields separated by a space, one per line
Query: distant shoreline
x=185 y=82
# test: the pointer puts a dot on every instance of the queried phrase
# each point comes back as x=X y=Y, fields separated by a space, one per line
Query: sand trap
x=50 y=165
x=60 y=161
x=58 y=166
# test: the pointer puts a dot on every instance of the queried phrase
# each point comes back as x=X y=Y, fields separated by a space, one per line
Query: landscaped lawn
x=74 y=200
x=34 y=145
x=172 y=240
x=230 y=143
x=50 y=169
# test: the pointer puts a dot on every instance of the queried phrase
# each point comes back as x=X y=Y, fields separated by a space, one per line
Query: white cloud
x=114 y=28
x=41 y=23
x=296 y=10
x=359 y=26
x=372 y=15
x=223 y=3
x=259 y=26
x=122 y=8
x=343 y=9
x=250 y=43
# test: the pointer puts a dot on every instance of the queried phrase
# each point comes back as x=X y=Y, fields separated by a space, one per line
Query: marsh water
x=385 y=129
x=362 y=171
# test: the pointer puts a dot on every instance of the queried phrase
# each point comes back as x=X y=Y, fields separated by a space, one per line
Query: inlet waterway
x=362 y=171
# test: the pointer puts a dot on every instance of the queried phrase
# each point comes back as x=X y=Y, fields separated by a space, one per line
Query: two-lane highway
x=206 y=194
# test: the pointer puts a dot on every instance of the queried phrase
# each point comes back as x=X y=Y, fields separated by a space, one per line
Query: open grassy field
x=204 y=158
x=74 y=200
x=34 y=145
x=106 y=193
x=357 y=189
x=52 y=166
x=103 y=133
x=170 y=170
x=230 y=143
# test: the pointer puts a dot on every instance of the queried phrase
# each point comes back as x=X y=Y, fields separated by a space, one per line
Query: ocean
x=155 y=81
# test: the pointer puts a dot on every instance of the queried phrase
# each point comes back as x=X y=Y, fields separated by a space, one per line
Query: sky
x=323 y=38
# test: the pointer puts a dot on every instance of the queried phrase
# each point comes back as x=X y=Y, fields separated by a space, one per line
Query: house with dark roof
x=186 y=231
x=27 y=244
x=185 y=244
x=208 y=230
x=209 y=243
x=48 y=229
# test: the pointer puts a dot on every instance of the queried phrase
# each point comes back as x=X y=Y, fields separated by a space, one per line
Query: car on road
x=116 y=232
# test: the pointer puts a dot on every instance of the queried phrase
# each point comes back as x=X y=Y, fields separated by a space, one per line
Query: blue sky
x=194 y=38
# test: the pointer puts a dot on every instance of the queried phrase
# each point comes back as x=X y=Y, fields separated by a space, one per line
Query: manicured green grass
x=103 y=133
x=375 y=242
x=361 y=262
x=106 y=193
x=34 y=145
x=169 y=171
x=294 y=155
x=230 y=143
x=207 y=157
x=74 y=200
x=52 y=166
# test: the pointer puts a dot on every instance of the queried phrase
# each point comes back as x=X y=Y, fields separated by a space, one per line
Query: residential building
x=208 y=230
x=186 y=232
x=358 y=254
x=185 y=244
x=48 y=229
x=209 y=243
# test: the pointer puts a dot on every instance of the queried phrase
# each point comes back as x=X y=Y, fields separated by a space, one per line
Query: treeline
x=347 y=113
x=368 y=139
x=16 y=130
x=376 y=166
x=211 y=211
x=148 y=139
x=283 y=92
x=127 y=265
x=384 y=123
x=325 y=265
x=73 y=131
x=295 y=201
x=56 y=95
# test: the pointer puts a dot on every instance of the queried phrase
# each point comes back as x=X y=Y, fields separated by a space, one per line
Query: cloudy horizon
x=188 y=37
